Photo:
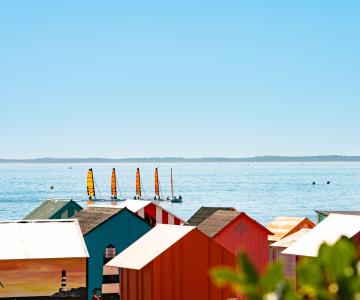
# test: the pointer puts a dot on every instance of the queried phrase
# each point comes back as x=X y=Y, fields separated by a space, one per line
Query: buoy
x=328 y=182
x=51 y=187
x=314 y=182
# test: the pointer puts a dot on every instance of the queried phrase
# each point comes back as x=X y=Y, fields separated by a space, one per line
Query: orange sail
x=157 y=190
x=113 y=184
x=90 y=184
x=138 y=184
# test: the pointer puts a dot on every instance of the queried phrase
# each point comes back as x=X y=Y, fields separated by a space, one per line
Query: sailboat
x=114 y=187
x=90 y=187
x=138 y=185
x=173 y=198
x=157 y=186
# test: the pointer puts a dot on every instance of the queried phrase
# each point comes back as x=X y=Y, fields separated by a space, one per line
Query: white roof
x=133 y=205
x=38 y=239
x=149 y=246
x=329 y=231
x=290 y=239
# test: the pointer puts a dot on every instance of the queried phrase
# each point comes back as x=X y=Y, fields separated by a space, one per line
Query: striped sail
x=113 y=184
x=90 y=184
x=157 y=190
x=138 y=184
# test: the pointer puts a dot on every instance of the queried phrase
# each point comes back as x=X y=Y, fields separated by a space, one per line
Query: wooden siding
x=179 y=273
x=121 y=231
x=244 y=235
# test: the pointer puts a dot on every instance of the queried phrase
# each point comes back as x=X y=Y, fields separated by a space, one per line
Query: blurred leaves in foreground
x=334 y=274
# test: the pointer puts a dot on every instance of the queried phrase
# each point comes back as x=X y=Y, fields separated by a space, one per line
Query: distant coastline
x=320 y=158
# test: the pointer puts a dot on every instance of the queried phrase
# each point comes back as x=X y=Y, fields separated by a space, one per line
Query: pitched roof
x=329 y=231
x=149 y=246
x=290 y=239
x=284 y=226
x=91 y=217
x=204 y=212
x=339 y=212
x=222 y=218
x=48 y=208
x=41 y=239
x=135 y=206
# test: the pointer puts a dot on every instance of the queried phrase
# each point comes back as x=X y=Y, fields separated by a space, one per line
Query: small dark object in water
x=314 y=182
x=70 y=168
x=51 y=187
x=328 y=182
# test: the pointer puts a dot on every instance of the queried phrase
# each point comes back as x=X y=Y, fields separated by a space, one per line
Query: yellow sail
x=90 y=184
x=157 y=190
x=138 y=184
x=113 y=184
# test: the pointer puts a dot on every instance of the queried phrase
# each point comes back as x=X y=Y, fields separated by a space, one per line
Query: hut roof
x=48 y=208
x=222 y=218
x=150 y=246
x=91 y=217
x=204 y=212
x=40 y=239
x=290 y=239
x=284 y=226
x=339 y=212
x=329 y=231
x=135 y=206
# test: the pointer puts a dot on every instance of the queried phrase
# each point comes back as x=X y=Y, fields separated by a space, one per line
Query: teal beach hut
x=107 y=231
x=54 y=209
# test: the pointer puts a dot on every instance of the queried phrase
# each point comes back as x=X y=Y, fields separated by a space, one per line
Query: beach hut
x=172 y=262
x=322 y=214
x=148 y=210
x=42 y=259
x=54 y=209
x=329 y=231
x=107 y=231
x=236 y=232
x=288 y=261
x=204 y=212
x=282 y=227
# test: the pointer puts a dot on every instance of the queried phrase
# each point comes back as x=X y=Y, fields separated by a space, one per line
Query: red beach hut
x=236 y=232
x=172 y=262
x=148 y=210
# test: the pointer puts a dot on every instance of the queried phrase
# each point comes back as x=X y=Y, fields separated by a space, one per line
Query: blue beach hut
x=107 y=231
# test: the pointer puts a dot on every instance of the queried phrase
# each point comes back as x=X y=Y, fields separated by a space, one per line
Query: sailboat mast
x=113 y=184
x=171 y=185
x=157 y=189
x=138 y=184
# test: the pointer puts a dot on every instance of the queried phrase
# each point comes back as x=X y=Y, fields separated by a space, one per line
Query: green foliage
x=333 y=275
x=246 y=280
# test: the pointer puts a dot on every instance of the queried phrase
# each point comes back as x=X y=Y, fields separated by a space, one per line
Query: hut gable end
x=91 y=217
x=50 y=209
x=205 y=212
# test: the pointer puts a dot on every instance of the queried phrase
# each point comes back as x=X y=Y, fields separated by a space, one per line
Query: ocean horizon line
x=267 y=158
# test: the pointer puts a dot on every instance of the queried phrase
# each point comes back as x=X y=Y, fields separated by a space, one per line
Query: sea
x=262 y=190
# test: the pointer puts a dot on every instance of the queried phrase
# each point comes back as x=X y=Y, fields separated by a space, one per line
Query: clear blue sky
x=192 y=78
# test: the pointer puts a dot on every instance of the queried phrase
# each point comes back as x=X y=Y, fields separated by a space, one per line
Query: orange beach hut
x=42 y=259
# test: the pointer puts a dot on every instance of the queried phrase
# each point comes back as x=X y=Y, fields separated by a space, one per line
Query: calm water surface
x=263 y=190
